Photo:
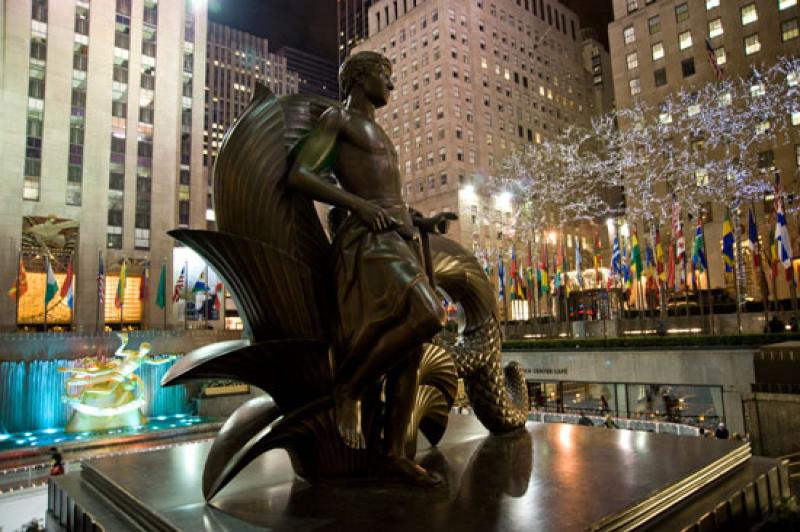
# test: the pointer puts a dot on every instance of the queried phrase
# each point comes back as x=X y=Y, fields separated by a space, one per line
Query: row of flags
x=200 y=288
x=632 y=261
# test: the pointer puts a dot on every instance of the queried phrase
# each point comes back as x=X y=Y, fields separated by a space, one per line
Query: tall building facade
x=100 y=132
x=475 y=81
x=235 y=62
x=317 y=76
x=351 y=19
x=659 y=46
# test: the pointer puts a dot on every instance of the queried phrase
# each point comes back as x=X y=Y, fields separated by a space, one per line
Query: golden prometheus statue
x=108 y=394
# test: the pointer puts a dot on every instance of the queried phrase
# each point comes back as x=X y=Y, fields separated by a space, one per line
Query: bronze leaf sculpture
x=343 y=332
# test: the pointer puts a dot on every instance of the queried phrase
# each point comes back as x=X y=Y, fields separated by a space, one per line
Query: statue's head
x=371 y=72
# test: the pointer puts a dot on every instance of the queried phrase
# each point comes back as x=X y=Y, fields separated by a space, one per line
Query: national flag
x=559 y=258
x=101 y=280
x=544 y=281
x=200 y=285
x=65 y=288
x=660 y=258
x=176 y=293
x=712 y=58
x=516 y=288
x=216 y=295
x=671 y=268
x=122 y=284
x=677 y=231
x=727 y=243
x=161 y=296
x=20 y=282
x=597 y=259
x=616 y=258
x=773 y=255
x=484 y=256
x=501 y=275
x=649 y=268
x=69 y=298
x=626 y=268
x=698 y=255
x=529 y=275
x=578 y=265
x=144 y=286
x=783 y=243
x=752 y=239
x=636 y=255
x=52 y=285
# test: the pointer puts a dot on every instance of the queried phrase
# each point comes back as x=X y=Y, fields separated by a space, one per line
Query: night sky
x=308 y=25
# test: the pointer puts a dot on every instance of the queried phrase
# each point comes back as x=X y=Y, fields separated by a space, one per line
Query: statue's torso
x=366 y=162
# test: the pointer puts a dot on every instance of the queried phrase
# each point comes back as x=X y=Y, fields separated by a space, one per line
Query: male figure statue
x=386 y=306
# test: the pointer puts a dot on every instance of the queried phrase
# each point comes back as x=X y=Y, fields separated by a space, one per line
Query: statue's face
x=377 y=85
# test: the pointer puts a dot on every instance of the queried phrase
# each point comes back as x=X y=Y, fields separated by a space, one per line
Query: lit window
x=789 y=30
x=633 y=60
x=658 y=51
x=693 y=110
x=749 y=14
x=763 y=127
x=796 y=118
x=665 y=118
x=786 y=4
x=635 y=86
x=711 y=4
x=633 y=5
x=792 y=79
x=757 y=89
x=751 y=44
x=715 y=28
x=685 y=40
x=720 y=55
x=682 y=13
x=725 y=99
x=629 y=35
x=701 y=177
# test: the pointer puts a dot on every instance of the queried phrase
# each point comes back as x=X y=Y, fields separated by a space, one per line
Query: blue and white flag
x=782 y=240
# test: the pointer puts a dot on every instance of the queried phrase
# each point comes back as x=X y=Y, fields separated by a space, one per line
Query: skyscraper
x=100 y=130
x=316 y=75
x=235 y=62
x=474 y=82
x=352 y=24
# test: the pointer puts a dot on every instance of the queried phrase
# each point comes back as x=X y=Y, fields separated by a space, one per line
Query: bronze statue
x=337 y=330
x=386 y=307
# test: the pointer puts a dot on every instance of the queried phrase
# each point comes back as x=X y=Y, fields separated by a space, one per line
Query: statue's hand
x=374 y=216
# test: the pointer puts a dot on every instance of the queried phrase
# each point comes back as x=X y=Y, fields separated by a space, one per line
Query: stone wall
x=774 y=422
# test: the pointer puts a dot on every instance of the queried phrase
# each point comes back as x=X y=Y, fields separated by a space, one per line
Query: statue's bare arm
x=304 y=176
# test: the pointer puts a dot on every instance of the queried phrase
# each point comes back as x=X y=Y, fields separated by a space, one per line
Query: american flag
x=712 y=58
x=176 y=294
x=101 y=281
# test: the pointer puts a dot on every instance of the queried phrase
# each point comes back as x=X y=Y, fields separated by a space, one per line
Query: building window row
x=32 y=171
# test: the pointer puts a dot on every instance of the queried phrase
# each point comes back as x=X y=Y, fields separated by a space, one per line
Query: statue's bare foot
x=348 y=420
x=403 y=470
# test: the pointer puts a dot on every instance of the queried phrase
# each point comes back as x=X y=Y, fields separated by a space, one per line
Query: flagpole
x=122 y=296
x=185 y=300
x=46 y=271
x=16 y=299
x=164 y=259
x=97 y=298
x=708 y=276
x=205 y=301
x=72 y=308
